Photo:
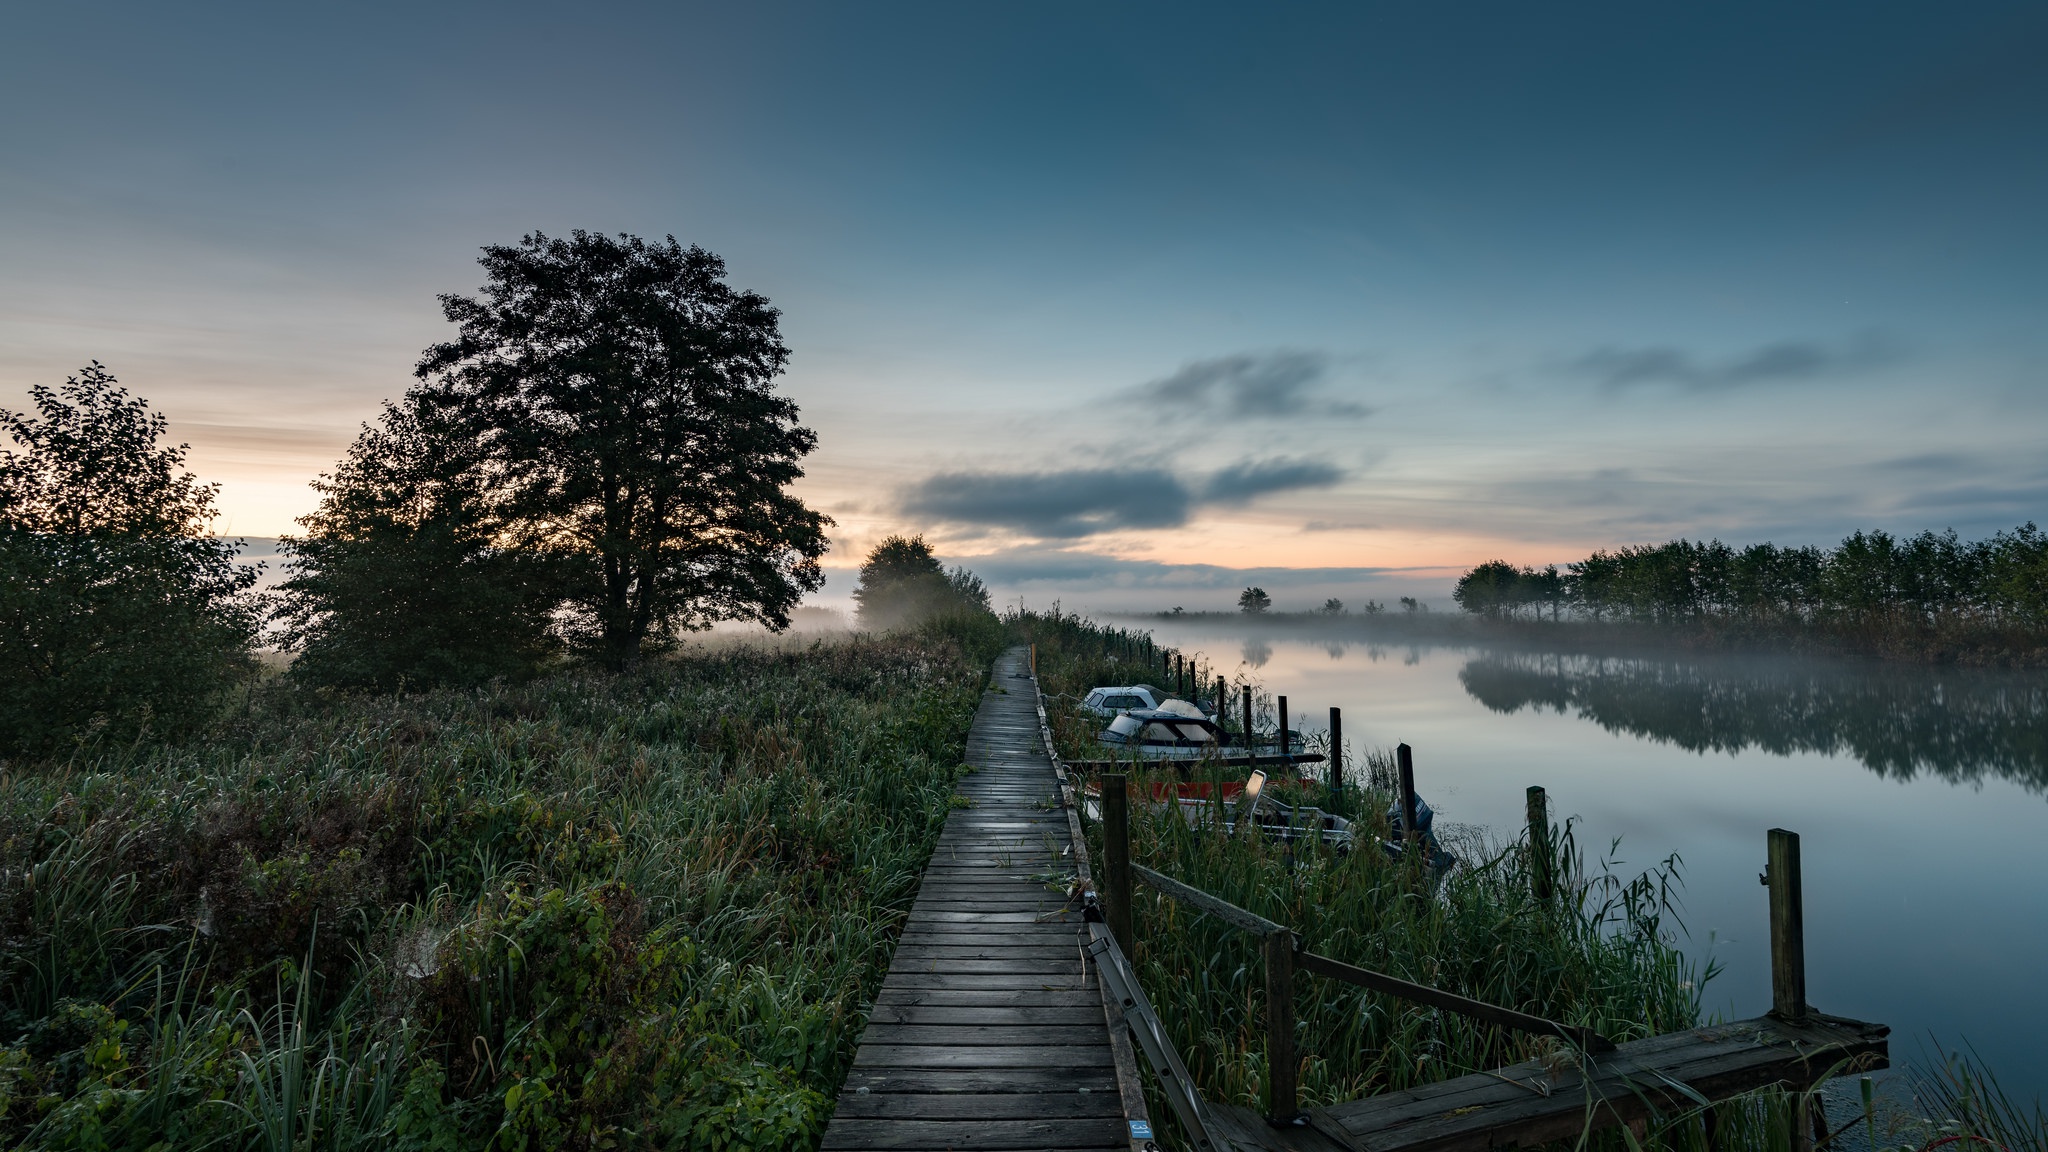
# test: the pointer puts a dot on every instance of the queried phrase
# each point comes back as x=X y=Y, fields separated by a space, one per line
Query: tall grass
x=589 y=911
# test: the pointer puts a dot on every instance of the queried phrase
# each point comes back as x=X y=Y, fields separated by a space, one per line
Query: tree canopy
x=118 y=614
x=1254 y=601
x=902 y=582
x=620 y=395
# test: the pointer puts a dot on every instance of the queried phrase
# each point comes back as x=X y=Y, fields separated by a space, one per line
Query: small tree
x=1333 y=607
x=410 y=572
x=1254 y=602
x=117 y=614
x=903 y=583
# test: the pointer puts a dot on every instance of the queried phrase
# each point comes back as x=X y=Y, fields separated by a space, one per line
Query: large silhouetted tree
x=620 y=396
x=118 y=614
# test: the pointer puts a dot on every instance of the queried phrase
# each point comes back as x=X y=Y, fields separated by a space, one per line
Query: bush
x=117 y=616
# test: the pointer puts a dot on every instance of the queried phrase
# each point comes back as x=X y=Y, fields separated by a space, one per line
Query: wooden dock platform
x=989 y=1031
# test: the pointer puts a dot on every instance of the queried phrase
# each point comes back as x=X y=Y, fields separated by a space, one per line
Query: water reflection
x=1257 y=652
x=1899 y=721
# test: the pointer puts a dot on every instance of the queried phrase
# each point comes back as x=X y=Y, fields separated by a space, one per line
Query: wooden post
x=1222 y=704
x=1251 y=750
x=1406 y=759
x=1116 y=859
x=1539 y=844
x=1283 y=1098
x=1788 y=927
x=1336 y=778
x=1034 y=661
x=1281 y=703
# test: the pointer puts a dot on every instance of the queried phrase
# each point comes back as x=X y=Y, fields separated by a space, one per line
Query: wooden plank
x=985 y=1015
x=1222 y=909
x=979 y=1080
x=985 y=1034
x=1012 y=1056
x=990 y=997
x=944 y=1134
x=1081 y=1104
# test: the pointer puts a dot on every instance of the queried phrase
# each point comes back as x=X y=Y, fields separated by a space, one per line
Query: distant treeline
x=1870 y=581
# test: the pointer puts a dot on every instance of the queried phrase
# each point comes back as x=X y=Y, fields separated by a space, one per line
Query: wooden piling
x=1336 y=777
x=1283 y=1098
x=1116 y=859
x=1280 y=703
x=1406 y=759
x=1251 y=750
x=1788 y=927
x=1539 y=844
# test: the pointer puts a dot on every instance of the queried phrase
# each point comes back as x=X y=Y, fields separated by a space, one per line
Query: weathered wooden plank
x=1013 y=1056
x=984 y=1015
x=1069 y=1104
x=905 y=979
x=992 y=1081
x=985 y=1034
x=963 y=1134
x=990 y=997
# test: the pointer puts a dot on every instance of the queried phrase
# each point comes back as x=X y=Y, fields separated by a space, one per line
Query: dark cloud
x=1055 y=504
x=1262 y=385
x=1083 y=502
x=1616 y=369
x=1243 y=483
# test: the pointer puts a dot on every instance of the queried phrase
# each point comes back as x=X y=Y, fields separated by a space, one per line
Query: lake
x=1920 y=795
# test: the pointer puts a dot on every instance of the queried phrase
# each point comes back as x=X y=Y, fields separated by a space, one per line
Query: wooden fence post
x=1116 y=859
x=1539 y=844
x=1034 y=661
x=1251 y=751
x=1406 y=759
x=1788 y=927
x=1286 y=763
x=1283 y=1099
x=1336 y=779
x=1222 y=704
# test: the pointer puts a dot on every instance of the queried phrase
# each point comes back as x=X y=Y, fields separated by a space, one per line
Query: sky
x=1128 y=305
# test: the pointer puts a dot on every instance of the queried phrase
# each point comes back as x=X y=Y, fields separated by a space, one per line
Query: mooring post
x=1539 y=844
x=1116 y=859
x=1336 y=779
x=1222 y=704
x=1286 y=757
x=1406 y=759
x=1251 y=750
x=1283 y=1100
x=1788 y=928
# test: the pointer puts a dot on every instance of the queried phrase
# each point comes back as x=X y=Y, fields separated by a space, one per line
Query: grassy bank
x=589 y=911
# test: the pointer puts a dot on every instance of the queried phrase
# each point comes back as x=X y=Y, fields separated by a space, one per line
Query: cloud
x=1618 y=369
x=1265 y=385
x=1059 y=505
x=1243 y=483
x=1087 y=501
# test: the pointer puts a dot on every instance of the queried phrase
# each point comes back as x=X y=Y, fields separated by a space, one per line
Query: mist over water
x=1920 y=795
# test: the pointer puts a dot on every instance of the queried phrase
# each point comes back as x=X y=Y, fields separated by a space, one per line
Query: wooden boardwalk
x=989 y=1031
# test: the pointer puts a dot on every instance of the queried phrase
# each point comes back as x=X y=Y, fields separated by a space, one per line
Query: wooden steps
x=989 y=1030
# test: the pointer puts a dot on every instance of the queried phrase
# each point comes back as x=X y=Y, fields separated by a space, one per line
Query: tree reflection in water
x=1960 y=724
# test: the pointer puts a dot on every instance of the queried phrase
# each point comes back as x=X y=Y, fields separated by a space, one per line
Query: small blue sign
x=1141 y=1130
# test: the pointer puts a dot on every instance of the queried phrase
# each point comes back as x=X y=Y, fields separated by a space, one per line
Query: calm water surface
x=1920 y=796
